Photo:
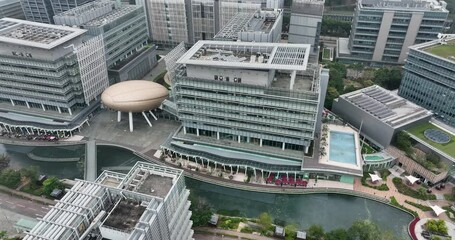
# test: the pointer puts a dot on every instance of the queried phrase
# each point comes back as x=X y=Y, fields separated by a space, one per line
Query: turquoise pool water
x=342 y=147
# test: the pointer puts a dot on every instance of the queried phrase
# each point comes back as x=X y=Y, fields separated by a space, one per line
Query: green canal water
x=329 y=210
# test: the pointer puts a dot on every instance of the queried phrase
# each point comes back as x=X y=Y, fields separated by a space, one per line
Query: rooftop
x=251 y=55
x=447 y=148
x=443 y=49
x=155 y=185
x=88 y=8
x=33 y=34
x=112 y=16
x=386 y=106
x=406 y=5
x=125 y=215
x=310 y=7
x=258 y=21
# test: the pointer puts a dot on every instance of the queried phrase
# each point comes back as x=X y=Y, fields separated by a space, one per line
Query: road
x=22 y=206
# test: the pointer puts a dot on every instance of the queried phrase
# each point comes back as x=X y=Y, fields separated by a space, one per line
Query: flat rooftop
x=88 y=8
x=443 y=49
x=125 y=215
x=447 y=148
x=112 y=16
x=155 y=185
x=250 y=55
x=386 y=105
x=258 y=21
x=33 y=34
x=406 y=5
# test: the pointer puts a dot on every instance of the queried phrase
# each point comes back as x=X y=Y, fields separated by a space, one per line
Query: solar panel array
x=375 y=101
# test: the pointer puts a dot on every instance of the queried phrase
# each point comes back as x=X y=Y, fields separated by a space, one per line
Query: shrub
x=10 y=178
x=229 y=223
x=419 y=206
x=403 y=189
x=382 y=187
x=247 y=230
x=395 y=203
x=436 y=226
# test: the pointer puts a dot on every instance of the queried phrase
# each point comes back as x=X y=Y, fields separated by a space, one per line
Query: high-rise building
x=149 y=202
x=50 y=75
x=11 y=9
x=125 y=34
x=383 y=30
x=43 y=11
x=258 y=26
x=59 y=6
x=429 y=78
x=251 y=104
x=306 y=21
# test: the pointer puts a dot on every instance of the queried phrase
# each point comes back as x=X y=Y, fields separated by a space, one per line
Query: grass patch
x=448 y=148
x=366 y=149
x=230 y=223
x=444 y=51
x=404 y=189
x=395 y=203
x=450 y=210
x=419 y=206
x=326 y=53
x=382 y=187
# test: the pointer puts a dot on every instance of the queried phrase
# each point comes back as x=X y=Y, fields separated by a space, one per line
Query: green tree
x=50 y=184
x=315 y=232
x=3 y=234
x=291 y=231
x=349 y=88
x=403 y=141
x=10 y=178
x=337 y=234
x=201 y=212
x=364 y=230
x=433 y=158
x=265 y=221
x=30 y=173
x=332 y=93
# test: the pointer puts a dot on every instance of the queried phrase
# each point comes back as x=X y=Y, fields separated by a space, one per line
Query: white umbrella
x=412 y=179
x=375 y=177
x=437 y=209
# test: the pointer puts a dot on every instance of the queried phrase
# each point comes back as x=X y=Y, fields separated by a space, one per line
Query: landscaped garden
x=421 y=193
x=436 y=227
x=418 y=131
x=366 y=181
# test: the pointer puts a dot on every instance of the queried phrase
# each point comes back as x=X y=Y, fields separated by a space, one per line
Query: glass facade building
x=11 y=8
x=429 y=78
x=382 y=31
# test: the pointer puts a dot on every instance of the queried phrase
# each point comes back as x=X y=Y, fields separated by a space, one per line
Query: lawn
x=444 y=51
x=326 y=54
x=448 y=148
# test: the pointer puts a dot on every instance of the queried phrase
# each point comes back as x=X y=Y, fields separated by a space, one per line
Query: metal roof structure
x=88 y=8
x=112 y=16
x=251 y=55
x=385 y=105
x=406 y=5
x=114 y=200
x=33 y=34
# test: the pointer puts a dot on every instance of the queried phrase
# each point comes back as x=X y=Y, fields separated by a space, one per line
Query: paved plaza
x=104 y=126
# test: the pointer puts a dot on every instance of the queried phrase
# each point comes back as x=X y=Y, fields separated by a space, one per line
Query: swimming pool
x=342 y=147
x=373 y=158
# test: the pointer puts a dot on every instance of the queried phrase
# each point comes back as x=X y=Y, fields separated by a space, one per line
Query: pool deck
x=325 y=159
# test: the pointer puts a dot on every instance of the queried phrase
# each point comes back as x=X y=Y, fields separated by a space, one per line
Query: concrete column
x=130 y=116
x=69 y=110
x=59 y=110
x=12 y=102
x=306 y=149
x=248 y=139
x=42 y=105
x=184 y=130
x=262 y=174
x=197 y=131
x=381 y=41
x=119 y=116
x=147 y=119
x=218 y=135
x=28 y=105
x=215 y=165
x=231 y=168
x=260 y=142
x=254 y=171
x=246 y=168
x=284 y=146
x=224 y=167
x=238 y=139
x=237 y=169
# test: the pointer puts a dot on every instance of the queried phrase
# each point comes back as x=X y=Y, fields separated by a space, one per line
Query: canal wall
x=51 y=159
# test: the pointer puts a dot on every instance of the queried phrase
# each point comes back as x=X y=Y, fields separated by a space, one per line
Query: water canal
x=329 y=210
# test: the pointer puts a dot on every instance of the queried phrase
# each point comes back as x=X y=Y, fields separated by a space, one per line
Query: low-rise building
x=149 y=202
x=50 y=76
x=378 y=113
x=129 y=55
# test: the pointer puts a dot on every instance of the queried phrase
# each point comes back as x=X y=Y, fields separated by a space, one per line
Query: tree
x=337 y=234
x=291 y=231
x=403 y=141
x=364 y=230
x=433 y=158
x=201 y=212
x=265 y=221
x=10 y=178
x=332 y=93
x=4 y=161
x=3 y=234
x=30 y=173
x=50 y=184
x=315 y=232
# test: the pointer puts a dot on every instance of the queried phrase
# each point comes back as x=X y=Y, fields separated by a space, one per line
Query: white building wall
x=260 y=78
x=167 y=21
x=92 y=67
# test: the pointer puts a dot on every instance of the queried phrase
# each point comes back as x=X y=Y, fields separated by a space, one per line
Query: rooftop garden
x=448 y=148
x=445 y=51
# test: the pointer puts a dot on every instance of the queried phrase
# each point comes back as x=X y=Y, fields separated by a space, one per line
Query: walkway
x=229 y=233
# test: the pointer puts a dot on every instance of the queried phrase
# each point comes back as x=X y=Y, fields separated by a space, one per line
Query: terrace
x=125 y=215
x=447 y=148
x=446 y=50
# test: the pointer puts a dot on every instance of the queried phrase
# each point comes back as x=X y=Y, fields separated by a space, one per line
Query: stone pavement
x=228 y=233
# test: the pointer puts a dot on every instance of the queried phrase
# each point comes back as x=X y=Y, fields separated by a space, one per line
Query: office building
x=50 y=76
x=59 y=6
x=306 y=20
x=149 y=202
x=378 y=113
x=248 y=106
x=429 y=78
x=257 y=26
x=11 y=9
x=382 y=31
x=124 y=31
x=43 y=11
